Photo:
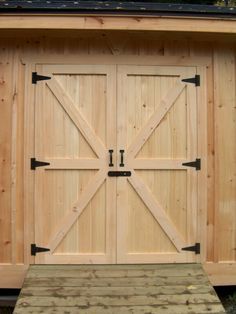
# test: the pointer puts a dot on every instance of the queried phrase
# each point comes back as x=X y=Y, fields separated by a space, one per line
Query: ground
x=227 y=296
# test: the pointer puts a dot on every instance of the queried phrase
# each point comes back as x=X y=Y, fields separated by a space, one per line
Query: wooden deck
x=164 y=289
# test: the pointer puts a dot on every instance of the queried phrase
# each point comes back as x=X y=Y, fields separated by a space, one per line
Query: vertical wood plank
x=5 y=152
x=28 y=174
x=19 y=222
x=176 y=47
x=192 y=151
x=203 y=153
x=13 y=152
x=122 y=185
x=17 y=154
x=201 y=49
x=210 y=162
x=76 y=46
x=98 y=45
x=111 y=185
x=225 y=148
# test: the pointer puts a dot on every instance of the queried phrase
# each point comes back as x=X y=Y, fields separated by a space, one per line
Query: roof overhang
x=127 y=7
x=112 y=15
x=131 y=23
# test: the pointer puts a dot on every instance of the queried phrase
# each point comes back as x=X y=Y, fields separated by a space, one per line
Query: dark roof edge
x=119 y=14
x=115 y=7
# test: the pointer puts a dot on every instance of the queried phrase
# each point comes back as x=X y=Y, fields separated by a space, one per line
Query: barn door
x=147 y=116
x=157 y=129
x=75 y=126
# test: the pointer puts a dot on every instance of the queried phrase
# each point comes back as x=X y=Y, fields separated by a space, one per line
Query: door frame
x=30 y=63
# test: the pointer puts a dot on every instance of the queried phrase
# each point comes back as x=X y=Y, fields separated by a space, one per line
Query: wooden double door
x=115 y=189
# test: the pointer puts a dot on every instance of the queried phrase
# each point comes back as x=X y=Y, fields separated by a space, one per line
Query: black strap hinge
x=194 y=80
x=36 y=163
x=195 y=164
x=119 y=173
x=195 y=248
x=36 y=249
x=36 y=77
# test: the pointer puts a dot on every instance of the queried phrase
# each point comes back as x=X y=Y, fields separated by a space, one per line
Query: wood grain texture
x=28 y=150
x=117 y=23
x=199 y=49
x=79 y=121
x=6 y=118
x=225 y=148
x=157 y=127
x=221 y=274
x=18 y=160
x=73 y=191
x=157 y=211
x=216 y=54
x=12 y=276
x=167 y=309
x=118 y=288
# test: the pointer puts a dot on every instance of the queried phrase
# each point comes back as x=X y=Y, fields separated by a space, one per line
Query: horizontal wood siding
x=221 y=137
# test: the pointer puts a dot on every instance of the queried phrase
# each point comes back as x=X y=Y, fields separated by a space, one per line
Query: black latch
x=36 y=163
x=111 y=162
x=122 y=158
x=194 y=80
x=36 y=77
x=119 y=173
x=36 y=249
x=195 y=164
x=195 y=248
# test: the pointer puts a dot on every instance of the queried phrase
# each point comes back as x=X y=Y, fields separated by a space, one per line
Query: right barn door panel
x=157 y=134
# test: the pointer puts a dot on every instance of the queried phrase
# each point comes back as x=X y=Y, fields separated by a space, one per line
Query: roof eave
x=121 y=23
x=120 y=13
x=114 y=7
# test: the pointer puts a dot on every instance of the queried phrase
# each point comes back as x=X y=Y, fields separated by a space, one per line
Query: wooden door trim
x=156 y=164
x=202 y=150
x=29 y=178
x=109 y=59
x=70 y=163
x=73 y=259
x=152 y=258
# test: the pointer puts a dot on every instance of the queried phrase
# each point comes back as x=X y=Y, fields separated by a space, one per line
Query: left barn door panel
x=75 y=126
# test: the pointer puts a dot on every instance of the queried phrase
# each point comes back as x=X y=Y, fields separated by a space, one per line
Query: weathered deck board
x=87 y=274
x=115 y=282
x=193 y=309
x=173 y=288
x=113 y=291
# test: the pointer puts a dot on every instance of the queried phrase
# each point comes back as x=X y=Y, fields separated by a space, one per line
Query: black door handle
x=111 y=162
x=122 y=158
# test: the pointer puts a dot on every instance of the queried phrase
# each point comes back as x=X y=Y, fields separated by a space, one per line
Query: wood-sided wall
x=221 y=137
